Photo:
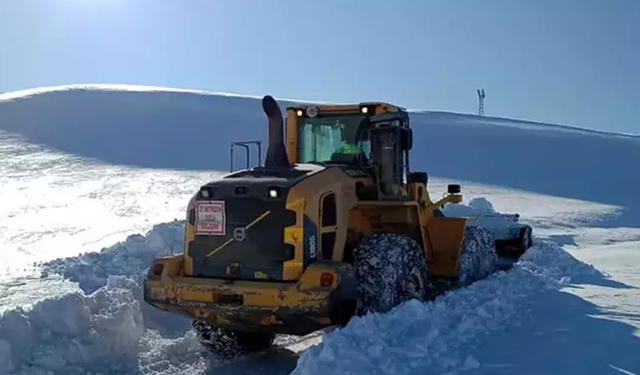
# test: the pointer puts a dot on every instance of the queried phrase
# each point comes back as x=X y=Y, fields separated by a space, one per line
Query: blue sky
x=574 y=62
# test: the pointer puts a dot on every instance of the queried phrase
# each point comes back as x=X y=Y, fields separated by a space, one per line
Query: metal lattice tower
x=481 y=97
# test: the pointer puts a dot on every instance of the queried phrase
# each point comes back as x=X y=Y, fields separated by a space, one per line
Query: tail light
x=157 y=269
x=289 y=252
x=326 y=279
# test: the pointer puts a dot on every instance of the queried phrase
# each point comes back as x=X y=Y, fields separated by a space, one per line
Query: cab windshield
x=333 y=139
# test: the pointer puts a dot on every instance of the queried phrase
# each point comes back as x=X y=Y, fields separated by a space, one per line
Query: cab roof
x=347 y=107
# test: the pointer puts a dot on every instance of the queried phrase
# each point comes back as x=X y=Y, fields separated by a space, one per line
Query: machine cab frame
x=375 y=137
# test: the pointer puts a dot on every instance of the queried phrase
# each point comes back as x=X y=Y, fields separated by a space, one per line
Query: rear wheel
x=229 y=344
x=479 y=258
x=390 y=269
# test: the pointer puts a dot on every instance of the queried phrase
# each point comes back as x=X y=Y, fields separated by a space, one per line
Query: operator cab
x=372 y=137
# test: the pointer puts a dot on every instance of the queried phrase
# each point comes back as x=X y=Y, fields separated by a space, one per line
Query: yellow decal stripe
x=230 y=240
x=227 y=242
x=257 y=220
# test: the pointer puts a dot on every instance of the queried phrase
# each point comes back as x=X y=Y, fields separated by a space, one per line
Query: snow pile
x=130 y=258
x=479 y=211
x=555 y=265
x=104 y=326
x=475 y=207
x=64 y=334
x=440 y=335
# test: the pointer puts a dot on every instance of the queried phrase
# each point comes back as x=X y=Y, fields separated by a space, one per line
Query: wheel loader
x=334 y=225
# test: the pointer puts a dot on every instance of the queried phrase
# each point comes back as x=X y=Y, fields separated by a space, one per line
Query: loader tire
x=229 y=344
x=390 y=269
x=479 y=257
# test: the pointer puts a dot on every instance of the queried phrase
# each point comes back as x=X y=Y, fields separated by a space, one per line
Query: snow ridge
x=105 y=325
x=438 y=335
x=64 y=334
x=130 y=258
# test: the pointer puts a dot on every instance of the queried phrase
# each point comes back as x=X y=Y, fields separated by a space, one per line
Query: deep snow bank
x=437 y=337
x=130 y=258
x=105 y=332
x=154 y=127
x=105 y=326
x=65 y=333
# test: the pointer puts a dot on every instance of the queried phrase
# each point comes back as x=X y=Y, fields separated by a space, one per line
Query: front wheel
x=479 y=257
x=390 y=269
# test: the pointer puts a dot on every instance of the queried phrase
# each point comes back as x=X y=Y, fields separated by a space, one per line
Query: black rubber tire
x=229 y=344
x=390 y=269
x=479 y=257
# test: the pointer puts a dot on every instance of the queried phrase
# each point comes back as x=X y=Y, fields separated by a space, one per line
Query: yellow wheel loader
x=334 y=225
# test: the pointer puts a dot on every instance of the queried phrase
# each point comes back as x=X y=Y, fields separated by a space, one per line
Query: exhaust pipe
x=276 y=152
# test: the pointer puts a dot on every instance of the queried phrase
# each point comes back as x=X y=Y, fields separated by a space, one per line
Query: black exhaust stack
x=276 y=152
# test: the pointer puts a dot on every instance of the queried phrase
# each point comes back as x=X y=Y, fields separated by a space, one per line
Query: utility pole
x=481 y=97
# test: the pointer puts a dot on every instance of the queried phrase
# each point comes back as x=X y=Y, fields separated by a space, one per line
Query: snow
x=103 y=325
x=441 y=333
x=479 y=211
x=130 y=257
x=64 y=333
x=94 y=181
x=85 y=330
x=94 y=204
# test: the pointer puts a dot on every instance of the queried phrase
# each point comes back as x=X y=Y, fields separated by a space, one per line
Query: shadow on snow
x=562 y=334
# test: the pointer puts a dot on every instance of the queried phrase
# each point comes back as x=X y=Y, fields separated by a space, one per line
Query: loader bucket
x=444 y=241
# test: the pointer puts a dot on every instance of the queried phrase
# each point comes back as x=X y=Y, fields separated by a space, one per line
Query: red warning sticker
x=210 y=218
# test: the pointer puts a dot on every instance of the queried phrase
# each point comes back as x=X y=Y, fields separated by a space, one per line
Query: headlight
x=204 y=192
x=274 y=192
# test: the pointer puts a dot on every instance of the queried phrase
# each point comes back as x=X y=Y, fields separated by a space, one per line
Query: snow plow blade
x=512 y=238
x=296 y=308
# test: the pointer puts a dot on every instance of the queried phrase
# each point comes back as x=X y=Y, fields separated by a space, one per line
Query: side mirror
x=454 y=189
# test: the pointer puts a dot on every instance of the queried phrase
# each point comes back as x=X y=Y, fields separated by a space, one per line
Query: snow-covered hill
x=191 y=130
x=83 y=167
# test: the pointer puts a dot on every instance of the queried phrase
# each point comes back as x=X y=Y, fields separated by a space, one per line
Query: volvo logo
x=239 y=234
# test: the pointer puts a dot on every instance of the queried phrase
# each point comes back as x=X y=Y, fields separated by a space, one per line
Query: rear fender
x=168 y=266
x=444 y=238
